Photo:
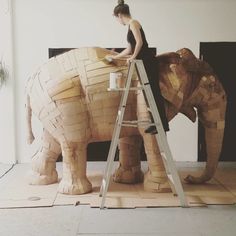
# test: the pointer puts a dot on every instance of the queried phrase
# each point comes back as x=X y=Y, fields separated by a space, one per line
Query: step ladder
x=161 y=138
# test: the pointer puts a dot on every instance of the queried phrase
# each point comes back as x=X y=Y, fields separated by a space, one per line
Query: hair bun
x=121 y=2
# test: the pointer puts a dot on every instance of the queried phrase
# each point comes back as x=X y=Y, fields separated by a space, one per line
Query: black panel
x=96 y=151
x=221 y=56
x=56 y=51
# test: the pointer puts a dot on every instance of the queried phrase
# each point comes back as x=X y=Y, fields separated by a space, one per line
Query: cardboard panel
x=15 y=191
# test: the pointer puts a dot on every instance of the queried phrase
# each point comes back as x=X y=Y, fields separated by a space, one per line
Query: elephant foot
x=130 y=175
x=35 y=178
x=156 y=184
x=196 y=180
x=81 y=186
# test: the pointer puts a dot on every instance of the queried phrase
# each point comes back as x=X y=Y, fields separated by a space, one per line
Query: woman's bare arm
x=124 y=53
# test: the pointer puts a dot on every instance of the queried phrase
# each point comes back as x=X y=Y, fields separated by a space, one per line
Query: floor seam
x=7 y=171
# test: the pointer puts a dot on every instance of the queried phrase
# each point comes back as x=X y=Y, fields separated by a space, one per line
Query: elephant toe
x=35 y=178
x=194 y=180
x=131 y=175
x=81 y=186
x=188 y=179
x=156 y=184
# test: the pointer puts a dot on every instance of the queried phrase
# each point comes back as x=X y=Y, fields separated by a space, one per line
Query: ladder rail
x=117 y=119
x=115 y=137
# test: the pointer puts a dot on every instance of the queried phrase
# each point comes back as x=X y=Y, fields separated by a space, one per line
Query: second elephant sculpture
x=69 y=96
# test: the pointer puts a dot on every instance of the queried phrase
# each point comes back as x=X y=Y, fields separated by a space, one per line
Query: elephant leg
x=74 y=179
x=129 y=170
x=155 y=180
x=43 y=163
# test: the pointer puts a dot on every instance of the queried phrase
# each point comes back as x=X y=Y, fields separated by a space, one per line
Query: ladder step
x=103 y=182
x=136 y=121
x=136 y=124
x=170 y=178
x=141 y=122
x=172 y=185
x=130 y=125
x=163 y=155
x=123 y=89
x=165 y=163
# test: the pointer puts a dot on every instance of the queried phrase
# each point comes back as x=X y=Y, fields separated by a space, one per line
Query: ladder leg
x=122 y=102
x=115 y=137
x=176 y=179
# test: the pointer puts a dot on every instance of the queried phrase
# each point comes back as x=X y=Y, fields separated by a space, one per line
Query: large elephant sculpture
x=69 y=96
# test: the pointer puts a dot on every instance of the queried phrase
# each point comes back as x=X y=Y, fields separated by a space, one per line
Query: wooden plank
x=81 y=54
x=97 y=65
x=74 y=119
x=72 y=58
x=72 y=92
x=99 y=79
x=83 y=74
x=61 y=87
x=103 y=71
x=227 y=177
x=54 y=70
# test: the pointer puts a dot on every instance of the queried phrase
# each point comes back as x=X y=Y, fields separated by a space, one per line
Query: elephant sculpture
x=69 y=96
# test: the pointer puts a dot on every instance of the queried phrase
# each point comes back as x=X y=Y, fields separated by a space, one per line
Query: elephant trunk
x=214 y=139
x=211 y=101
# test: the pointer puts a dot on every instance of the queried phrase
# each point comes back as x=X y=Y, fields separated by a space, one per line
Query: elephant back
x=71 y=87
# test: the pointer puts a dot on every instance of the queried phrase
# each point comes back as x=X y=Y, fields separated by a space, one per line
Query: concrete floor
x=83 y=220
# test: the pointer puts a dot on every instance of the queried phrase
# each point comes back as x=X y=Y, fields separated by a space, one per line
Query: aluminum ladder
x=161 y=138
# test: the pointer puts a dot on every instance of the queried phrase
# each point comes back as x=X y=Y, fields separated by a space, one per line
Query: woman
x=138 y=48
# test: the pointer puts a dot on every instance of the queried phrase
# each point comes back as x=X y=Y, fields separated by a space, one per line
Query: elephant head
x=189 y=85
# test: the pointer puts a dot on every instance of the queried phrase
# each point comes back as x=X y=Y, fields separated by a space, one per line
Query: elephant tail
x=30 y=135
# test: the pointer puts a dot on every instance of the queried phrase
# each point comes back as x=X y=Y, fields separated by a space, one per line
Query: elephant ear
x=170 y=89
x=171 y=84
x=192 y=64
x=180 y=73
x=169 y=57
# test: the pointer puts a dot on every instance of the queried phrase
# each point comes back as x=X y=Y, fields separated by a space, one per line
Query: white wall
x=169 y=26
x=7 y=114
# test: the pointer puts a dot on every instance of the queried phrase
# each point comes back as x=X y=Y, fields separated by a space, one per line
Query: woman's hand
x=130 y=59
x=110 y=56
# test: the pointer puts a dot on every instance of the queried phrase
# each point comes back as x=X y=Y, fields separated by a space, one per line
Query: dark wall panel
x=221 y=56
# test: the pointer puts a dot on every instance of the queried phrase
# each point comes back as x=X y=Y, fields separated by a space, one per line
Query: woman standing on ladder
x=138 y=48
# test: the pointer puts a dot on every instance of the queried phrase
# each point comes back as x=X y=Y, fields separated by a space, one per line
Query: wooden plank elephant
x=69 y=96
